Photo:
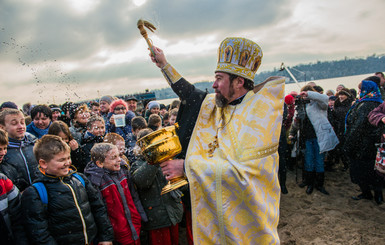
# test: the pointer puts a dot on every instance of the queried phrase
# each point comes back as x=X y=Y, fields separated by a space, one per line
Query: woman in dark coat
x=360 y=139
x=341 y=107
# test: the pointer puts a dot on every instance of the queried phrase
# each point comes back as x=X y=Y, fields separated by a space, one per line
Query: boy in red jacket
x=109 y=174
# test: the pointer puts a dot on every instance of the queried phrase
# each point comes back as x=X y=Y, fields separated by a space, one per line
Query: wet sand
x=333 y=219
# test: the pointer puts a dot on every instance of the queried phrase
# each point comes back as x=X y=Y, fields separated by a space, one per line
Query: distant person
x=118 y=141
x=173 y=116
x=132 y=104
x=360 y=139
x=319 y=89
x=153 y=108
x=95 y=108
x=74 y=213
x=166 y=119
x=119 y=107
x=105 y=103
x=154 y=122
x=342 y=105
x=330 y=92
x=318 y=135
x=174 y=104
x=41 y=120
x=311 y=84
x=339 y=87
x=27 y=109
x=9 y=105
x=56 y=112
x=163 y=110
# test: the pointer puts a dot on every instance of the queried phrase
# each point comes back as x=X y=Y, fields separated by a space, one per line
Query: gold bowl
x=160 y=145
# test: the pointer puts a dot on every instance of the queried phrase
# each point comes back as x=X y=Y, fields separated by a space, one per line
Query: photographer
x=316 y=132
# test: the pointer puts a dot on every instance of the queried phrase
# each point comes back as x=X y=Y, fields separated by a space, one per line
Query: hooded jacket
x=75 y=214
x=20 y=156
x=11 y=222
x=122 y=201
x=162 y=210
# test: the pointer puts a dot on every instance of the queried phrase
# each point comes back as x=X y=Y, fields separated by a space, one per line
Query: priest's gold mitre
x=239 y=56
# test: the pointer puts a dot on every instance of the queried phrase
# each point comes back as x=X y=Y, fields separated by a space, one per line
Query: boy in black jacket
x=75 y=213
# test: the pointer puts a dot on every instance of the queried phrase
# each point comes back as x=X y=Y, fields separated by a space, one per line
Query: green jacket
x=162 y=210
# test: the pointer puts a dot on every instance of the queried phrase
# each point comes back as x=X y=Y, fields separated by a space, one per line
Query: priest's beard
x=220 y=100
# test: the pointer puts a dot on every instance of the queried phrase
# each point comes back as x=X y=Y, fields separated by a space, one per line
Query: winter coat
x=37 y=132
x=340 y=111
x=11 y=220
x=20 y=156
x=162 y=210
x=122 y=201
x=83 y=156
x=126 y=131
x=75 y=214
x=77 y=131
x=316 y=111
x=360 y=135
x=375 y=118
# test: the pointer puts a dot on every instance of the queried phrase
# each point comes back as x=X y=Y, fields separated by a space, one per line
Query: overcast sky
x=59 y=50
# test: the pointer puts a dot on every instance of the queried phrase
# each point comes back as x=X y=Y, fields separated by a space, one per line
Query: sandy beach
x=333 y=219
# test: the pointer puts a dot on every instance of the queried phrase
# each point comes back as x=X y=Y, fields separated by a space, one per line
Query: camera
x=300 y=101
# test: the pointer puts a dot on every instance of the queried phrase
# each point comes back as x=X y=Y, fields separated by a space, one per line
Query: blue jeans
x=314 y=161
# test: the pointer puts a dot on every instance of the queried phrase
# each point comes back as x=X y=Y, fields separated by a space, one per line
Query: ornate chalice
x=160 y=146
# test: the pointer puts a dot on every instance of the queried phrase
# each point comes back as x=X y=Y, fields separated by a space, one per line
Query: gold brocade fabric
x=235 y=193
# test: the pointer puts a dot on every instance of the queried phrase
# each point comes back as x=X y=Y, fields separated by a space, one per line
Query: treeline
x=305 y=72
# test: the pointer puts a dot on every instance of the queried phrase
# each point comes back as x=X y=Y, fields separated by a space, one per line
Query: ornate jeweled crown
x=239 y=56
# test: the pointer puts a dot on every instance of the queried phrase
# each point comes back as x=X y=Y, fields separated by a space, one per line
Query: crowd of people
x=79 y=152
x=336 y=129
x=73 y=174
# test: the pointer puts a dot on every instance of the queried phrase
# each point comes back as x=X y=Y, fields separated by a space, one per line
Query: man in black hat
x=132 y=103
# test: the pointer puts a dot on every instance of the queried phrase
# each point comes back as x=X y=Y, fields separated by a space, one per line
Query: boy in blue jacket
x=73 y=212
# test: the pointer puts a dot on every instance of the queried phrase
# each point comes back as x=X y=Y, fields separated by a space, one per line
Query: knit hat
x=153 y=104
x=131 y=98
x=333 y=97
x=8 y=104
x=289 y=99
x=54 y=107
x=344 y=91
x=115 y=103
x=107 y=98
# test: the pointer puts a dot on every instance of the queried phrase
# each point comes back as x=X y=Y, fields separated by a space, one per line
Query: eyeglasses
x=120 y=108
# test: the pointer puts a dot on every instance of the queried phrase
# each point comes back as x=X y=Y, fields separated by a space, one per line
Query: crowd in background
x=99 y=189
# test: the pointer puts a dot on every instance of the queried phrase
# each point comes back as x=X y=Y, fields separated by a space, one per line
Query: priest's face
x=224 y=90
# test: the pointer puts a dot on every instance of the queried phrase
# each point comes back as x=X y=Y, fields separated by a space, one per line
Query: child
x=20 y=148
x=118 y=141
x=154 y=122
x=11 y=228
x=61 y=129
x=108 y=173
x=138 y=123
x=94 y=134
x=74 y=214
x=164 y=212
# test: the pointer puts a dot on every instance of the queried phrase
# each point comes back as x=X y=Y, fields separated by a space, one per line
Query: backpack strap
x=79 y=178
x=40 y=187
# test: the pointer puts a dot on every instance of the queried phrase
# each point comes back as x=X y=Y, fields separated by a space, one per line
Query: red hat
x=289 y=99
x=115 y=103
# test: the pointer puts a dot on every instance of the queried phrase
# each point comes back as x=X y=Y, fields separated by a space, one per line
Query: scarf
x=39 y=132
x=369 y=92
